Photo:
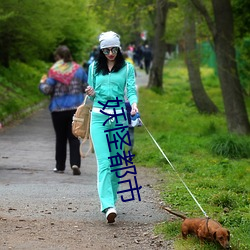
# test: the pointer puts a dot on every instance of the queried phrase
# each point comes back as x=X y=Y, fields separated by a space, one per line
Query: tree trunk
x=235 y=109
x=159 y=47
x=223 y=38
x=201 y=99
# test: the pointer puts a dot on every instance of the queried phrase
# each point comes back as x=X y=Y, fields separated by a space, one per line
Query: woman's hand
x=90 y=91
x=134 y=109
x=43 y=79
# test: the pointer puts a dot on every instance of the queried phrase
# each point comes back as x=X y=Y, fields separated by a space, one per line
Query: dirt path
x=43 y=210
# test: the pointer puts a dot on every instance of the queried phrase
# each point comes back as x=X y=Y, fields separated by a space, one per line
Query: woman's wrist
x=134 y=108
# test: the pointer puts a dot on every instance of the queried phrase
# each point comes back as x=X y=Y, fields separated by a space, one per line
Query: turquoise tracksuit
x=109 y=87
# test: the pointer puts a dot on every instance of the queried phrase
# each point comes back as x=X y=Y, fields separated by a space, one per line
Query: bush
x=223 y=200
x=231 y=146
x=19 y=88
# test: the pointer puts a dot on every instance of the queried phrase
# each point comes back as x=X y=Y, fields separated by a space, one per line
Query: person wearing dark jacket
x=147 y=54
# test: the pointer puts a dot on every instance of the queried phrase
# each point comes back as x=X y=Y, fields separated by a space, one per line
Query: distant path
x=141 y=78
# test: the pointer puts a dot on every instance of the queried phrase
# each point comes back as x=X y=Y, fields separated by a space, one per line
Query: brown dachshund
x=204 y=229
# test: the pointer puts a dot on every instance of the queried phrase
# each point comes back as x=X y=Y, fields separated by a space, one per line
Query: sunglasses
x=106 y=51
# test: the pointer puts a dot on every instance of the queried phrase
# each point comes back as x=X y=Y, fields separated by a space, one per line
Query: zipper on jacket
x=109 y=86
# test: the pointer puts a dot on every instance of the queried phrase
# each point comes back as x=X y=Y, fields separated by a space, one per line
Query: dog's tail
x=175 y=213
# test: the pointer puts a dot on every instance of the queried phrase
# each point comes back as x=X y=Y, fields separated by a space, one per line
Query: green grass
x=214 y=164
x=19 y=88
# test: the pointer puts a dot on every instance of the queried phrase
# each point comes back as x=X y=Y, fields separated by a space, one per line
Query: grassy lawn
x=19 y=88
x=214 y=164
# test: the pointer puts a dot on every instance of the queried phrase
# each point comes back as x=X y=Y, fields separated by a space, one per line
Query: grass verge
x=19 y=89
x=214 y=164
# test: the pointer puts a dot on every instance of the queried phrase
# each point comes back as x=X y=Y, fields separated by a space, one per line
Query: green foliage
x=19 y=87
x=231 y=146
x=219 y=183
x=175 y=25
x=127 y=17
x=29 y=33
x=243 y=59
x=170 y=230
x=224 y=200
x=241 y=17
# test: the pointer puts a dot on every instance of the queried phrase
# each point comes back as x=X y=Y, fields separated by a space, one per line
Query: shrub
x=223 y=200
x=231 y=146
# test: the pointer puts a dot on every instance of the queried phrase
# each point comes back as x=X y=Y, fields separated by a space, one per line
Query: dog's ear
x=214 y=235
x=228 y=237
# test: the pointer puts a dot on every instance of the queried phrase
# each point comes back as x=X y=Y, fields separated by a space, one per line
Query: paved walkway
x=27 y=158
x=30 y=189
x=141 y=78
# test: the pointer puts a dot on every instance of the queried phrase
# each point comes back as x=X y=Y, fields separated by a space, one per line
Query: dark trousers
x=147 y=65
x=62 y=122
x=132 y=138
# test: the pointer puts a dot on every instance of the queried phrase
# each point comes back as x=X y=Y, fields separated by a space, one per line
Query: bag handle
x=86 y=138
x=91 y=148
x=85 y=99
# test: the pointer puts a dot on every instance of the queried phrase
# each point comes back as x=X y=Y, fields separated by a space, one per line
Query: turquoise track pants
x=107 y=181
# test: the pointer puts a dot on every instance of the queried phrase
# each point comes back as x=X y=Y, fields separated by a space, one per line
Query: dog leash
x=174 y=170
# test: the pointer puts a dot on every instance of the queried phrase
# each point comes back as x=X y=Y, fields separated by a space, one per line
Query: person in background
x=147 y=54
x=127 y=58
x=65 y=83
x=138 y=52
x=108 y=78
x=93 y=54
x=92 y=57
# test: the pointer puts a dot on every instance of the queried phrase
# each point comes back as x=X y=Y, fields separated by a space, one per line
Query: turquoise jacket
x=113 y=85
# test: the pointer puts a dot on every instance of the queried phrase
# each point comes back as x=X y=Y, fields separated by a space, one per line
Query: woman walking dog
x=108 y=78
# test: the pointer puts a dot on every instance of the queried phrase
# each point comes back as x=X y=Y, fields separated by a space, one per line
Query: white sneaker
x=111 y=214
x=58 y=171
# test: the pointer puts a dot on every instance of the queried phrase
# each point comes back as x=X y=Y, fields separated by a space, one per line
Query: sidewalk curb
x=22 y=114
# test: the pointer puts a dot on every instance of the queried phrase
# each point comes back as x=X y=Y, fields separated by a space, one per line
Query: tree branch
x=202 y=9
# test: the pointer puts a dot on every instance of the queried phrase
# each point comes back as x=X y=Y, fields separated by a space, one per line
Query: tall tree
x=159 y=44
x=201 y=99
x=223 y=38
